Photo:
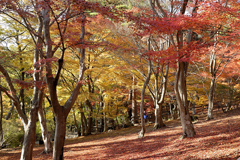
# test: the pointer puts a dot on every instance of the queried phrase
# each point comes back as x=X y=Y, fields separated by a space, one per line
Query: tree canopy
x=98 y=64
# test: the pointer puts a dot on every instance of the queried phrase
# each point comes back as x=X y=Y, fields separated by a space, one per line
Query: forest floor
x=215 y=139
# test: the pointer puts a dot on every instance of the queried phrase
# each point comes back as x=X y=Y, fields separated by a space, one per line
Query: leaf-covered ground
x=215 y=139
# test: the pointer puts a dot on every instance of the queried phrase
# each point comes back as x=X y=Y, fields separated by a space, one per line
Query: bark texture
x=210 y=99
x=180 y=86
x=158 y=97
x=75 y=122
x=134 y=118
x=61 y=112
x=105 y=127
x=1 y=117
x=143 y=127
x=45 y=133
x=59 y=137
x=213 y=70
x=181 y=95
x=8 y=116
x=158 y=117
x=89 y=119
x=29 y=134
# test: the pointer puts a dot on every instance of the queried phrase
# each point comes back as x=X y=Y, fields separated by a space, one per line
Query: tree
x=176 y=38
x=29 y=125
x=16 y=34
x=221 y=49
x=43 y=12
x=1 y=117
x=61 y=112
x=180 y=86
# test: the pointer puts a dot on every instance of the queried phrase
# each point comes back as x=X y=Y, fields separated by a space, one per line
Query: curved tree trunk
x=61 y=112
x=181 y=95
x=10 y=112
x=143 y=130
x=30 y=126
x=29 y=135
x=180 y=85
x=159 y=100
x=45 y=134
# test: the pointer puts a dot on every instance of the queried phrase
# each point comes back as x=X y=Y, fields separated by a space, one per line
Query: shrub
x=13 y=134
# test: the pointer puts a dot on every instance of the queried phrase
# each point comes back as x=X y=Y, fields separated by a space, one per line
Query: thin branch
x=201 y=80
x=161 y=9
x=6 y=92
x=152 y=94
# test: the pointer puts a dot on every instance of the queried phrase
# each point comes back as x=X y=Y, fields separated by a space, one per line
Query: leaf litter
x=216 y=139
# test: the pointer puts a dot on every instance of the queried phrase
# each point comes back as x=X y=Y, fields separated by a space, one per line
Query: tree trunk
x=143 y=127
x=105 y=128
x=8 y=116
x=158 y=116
x=82 y=126
x=22 y=95
x=159 y=98
x=45 y=133
x=134 y=118
x=90 y=124
x=101 y=106
x=171 y=110
x=1 y=117
x=210 y=99
x=193 y=108
x=59 y=138
x=102 y=122
x=29 y=134
x=83 y=122
x=180 y=89
x=75 y=122
x=143 y=130
x=96 y=120
x=36 y=103
x=96 y=124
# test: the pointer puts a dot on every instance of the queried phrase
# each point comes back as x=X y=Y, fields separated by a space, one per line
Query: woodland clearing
x=215 y=139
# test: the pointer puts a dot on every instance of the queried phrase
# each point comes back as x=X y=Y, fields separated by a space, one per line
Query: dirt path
x=215 y=139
